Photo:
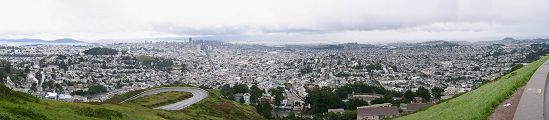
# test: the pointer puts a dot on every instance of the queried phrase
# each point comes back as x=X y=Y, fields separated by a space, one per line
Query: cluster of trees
x=51 y=85
x=324 y=98
x=424 y=94
x=263 y=108
x=101 y=51
x=153 y=62
x=7 y=69
x=346 y=115
x=228 y=92
x=359 y=87
x=95 y=89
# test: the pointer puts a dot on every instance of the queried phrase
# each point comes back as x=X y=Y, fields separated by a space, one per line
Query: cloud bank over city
x=365 y=21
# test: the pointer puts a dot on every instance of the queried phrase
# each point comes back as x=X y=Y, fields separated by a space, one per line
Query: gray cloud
x=361 y=20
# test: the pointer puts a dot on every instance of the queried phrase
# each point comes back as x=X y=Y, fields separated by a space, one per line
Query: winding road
x=198 y=95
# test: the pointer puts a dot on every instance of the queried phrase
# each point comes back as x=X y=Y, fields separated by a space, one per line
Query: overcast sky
x=364 y=21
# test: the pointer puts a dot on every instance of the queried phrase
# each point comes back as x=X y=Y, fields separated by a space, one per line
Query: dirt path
x=506 y=113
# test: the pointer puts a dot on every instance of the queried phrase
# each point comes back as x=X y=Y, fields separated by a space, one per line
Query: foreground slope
x=478 y=104
x=20 y=106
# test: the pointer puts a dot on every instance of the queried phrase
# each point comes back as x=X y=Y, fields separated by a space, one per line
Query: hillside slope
x=478 y=104
x=20 y=106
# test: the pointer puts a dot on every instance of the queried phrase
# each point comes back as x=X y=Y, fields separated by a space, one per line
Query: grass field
x=161 y=99
x=20 y=106
x=144 y=58
x=119 y=98
x=478 y=104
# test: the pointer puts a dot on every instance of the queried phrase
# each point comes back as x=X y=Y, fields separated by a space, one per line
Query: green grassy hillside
x=20 y=106
x=161 y=99
x=479 y=103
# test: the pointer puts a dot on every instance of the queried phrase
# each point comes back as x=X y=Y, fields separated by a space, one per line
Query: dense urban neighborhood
x=339 y=81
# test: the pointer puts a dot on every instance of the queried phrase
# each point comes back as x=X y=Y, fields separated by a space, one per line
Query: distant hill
x=438 y=43
x=21 y=106
x=509 y=39
x=64 y=40
x=344 y=46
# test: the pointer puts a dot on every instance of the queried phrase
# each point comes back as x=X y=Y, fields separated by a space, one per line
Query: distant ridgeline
x=64 y=40
x=539 y=50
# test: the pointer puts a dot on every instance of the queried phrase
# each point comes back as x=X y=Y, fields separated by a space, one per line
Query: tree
x=352 y=104
x=408 y=96
x=96 y=89
x=322 y=99
x=343 y=91
x=255 y=94
x=291 y=116
x=265 y=109
x=387 y=98
x=242 y=100
x=424 y=94
x=437 y=92
x=346 y=115
x=227 y=92
x=278 y=94
x=240 y=88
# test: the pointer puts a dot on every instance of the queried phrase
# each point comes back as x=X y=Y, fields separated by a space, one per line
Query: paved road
x=533 y=104
x=198 y=95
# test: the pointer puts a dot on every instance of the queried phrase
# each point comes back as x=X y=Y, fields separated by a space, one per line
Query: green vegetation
x=95 y=89
x=354 y=103
x=20 y=106
x=145 y=59
x=265 y=109
x=101 y=51
x=98 y=113
x=119 y=98
x=6 y=69
x=156 y=63
x=479 y=103
x=323 y=98
x=346 y=115
x=228 y=92
x=213 y=107
x=161 y=99
x=277 y=94
x=424 y=94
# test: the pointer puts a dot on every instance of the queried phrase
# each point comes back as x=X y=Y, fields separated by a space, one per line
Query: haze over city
x=324 y=21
